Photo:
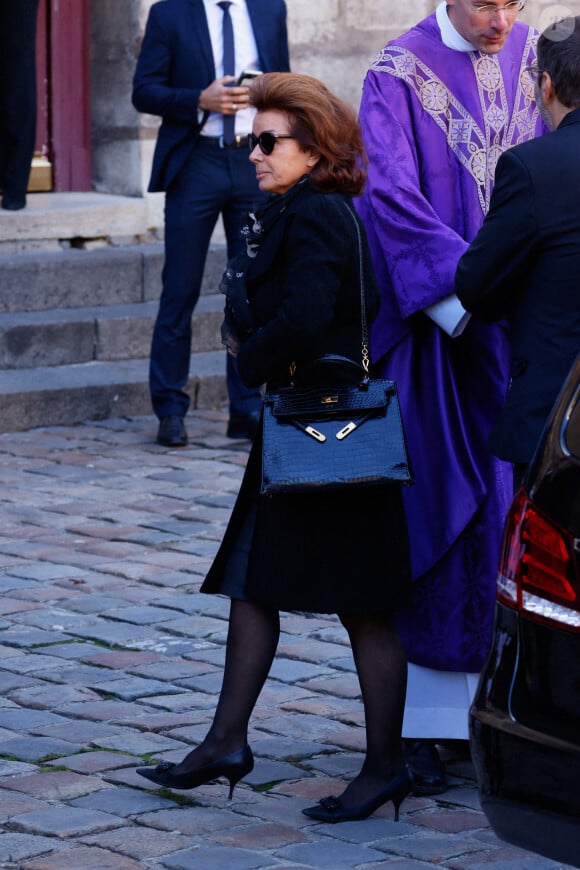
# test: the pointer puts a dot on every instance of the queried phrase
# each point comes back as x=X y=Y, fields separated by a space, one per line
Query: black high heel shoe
x=331 y=809
x=234 y=767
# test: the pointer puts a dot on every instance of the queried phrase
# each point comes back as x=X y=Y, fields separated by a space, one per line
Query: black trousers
x=17 y=94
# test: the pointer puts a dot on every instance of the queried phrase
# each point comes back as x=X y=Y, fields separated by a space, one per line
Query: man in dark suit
x=524 y=264
x=17 y=98
x=203 y=167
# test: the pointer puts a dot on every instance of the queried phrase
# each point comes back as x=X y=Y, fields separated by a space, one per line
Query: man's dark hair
x=559 y=55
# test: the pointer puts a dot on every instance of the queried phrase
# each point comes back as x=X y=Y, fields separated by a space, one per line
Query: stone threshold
x=53 y=221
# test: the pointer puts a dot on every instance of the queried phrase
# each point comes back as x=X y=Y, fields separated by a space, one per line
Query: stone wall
x=333 y=40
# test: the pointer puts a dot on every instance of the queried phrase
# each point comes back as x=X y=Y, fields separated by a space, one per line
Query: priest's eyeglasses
x=488 y=10
x=266 y=140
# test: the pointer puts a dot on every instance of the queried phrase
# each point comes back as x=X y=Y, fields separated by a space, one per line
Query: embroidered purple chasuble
x=435 y=121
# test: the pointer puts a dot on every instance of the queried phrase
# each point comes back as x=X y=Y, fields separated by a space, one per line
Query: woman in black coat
x=294 y=296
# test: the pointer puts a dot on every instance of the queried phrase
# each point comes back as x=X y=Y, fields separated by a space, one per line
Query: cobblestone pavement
x=112 y=658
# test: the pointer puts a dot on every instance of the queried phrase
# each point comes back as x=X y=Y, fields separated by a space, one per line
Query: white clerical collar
x=449 y=35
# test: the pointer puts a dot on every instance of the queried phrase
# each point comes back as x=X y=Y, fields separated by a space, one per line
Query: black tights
x=381 y=666
x=382 y=671
x=253 y=634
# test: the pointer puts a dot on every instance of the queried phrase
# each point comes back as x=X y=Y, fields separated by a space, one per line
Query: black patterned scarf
x=239 y=321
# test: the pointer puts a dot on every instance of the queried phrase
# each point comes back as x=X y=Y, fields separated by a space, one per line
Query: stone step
x=67 y=336
x=50 y=218
x=65 y=395
x=76 y=325
x=40 y=281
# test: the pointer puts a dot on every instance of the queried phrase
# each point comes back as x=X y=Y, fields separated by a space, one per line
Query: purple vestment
x=435 y=121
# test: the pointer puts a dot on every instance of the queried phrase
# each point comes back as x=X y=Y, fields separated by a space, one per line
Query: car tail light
x=537 y=571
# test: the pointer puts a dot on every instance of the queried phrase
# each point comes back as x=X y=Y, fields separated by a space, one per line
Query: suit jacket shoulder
x=542 y=155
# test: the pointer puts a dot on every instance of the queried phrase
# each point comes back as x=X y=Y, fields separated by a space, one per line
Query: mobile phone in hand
x=247 y=76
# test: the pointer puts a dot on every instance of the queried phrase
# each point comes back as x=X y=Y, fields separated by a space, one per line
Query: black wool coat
x=524 y=265
x=335 y=552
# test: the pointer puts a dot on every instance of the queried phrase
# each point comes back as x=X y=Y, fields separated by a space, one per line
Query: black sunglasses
x=266 y=140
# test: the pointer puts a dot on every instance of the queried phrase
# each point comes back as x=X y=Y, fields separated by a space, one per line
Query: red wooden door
x=63 y=116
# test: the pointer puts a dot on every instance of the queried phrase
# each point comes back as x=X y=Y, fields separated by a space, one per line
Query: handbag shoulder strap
x=363 y=305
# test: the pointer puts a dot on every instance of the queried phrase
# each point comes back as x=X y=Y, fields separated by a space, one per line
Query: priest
x=439 y=106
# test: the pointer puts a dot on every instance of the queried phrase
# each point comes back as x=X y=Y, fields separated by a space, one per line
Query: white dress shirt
x=246 y=52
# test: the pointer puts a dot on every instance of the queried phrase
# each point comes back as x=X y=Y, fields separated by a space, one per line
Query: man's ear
x=547 y=89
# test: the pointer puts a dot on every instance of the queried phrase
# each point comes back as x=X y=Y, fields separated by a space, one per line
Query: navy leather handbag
x=341 y=429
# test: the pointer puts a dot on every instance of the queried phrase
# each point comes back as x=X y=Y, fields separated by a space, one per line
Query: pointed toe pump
x=234 y=767
x=331 y=809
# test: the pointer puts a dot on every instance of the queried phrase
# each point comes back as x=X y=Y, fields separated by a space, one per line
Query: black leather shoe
x=243 y=427
x=427 y=769
x=331 y=809
x=13 y=203
x=172 y=432
x=234 y=767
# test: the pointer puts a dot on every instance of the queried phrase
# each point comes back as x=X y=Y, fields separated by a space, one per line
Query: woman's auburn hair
x=320 y=121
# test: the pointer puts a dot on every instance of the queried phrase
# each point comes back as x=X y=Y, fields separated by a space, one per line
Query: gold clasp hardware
x=329 y=400
x=314 y=433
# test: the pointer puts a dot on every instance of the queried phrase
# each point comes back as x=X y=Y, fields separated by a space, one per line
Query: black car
x=525 y=719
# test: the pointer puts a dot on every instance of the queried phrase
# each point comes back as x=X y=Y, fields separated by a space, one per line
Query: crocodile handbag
x=343 y=430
